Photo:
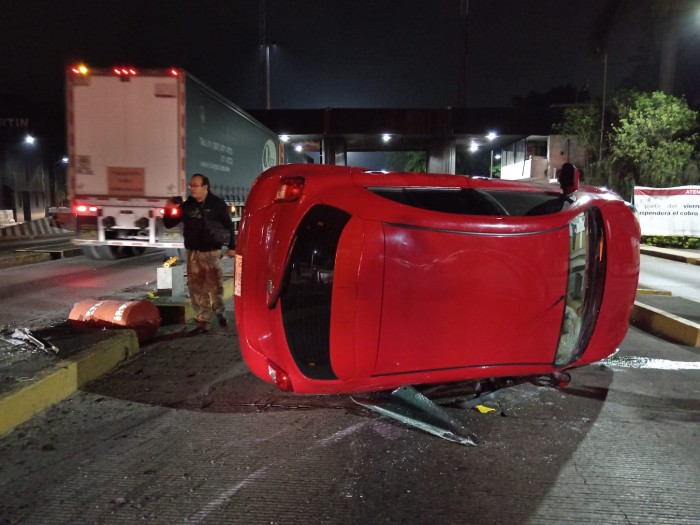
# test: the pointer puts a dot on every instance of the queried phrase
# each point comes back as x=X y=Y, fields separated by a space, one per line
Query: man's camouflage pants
x=204 y=283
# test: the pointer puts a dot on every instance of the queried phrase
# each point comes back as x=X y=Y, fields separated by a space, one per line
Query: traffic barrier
x=141 y=316
x=31 y=229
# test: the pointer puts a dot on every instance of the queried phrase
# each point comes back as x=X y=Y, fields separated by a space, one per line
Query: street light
x=29 y=139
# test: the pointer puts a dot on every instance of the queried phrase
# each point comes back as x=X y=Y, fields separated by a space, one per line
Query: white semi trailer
x=134 y=139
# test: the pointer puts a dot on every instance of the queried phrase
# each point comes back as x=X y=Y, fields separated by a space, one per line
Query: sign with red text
x=668 y=211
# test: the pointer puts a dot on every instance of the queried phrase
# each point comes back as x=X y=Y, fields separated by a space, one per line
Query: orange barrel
x=141 y=316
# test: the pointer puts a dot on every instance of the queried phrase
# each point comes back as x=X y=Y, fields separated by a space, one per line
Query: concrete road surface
x=184 y=434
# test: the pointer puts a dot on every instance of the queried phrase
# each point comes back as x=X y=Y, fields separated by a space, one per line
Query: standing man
x=207 y=227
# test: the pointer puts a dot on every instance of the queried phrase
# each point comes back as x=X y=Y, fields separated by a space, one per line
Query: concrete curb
x=647 y=291
x=657 y=321
x=671 y=255
x=65 y=378
x=25 y=258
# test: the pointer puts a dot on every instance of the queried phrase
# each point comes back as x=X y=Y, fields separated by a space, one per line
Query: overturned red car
x=352 y=281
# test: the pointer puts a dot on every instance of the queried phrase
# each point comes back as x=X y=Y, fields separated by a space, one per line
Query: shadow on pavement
x=206 y=373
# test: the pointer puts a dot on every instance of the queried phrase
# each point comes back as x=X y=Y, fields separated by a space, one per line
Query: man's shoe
x=222 y=320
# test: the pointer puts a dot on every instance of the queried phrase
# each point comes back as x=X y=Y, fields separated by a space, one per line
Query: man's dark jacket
x=207 y=225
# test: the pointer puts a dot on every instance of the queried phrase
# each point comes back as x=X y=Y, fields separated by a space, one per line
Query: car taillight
x=84 y=209
x=279 y=377
x=290 y=189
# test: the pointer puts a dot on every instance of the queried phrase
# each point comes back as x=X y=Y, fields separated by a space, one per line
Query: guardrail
x=38 y=228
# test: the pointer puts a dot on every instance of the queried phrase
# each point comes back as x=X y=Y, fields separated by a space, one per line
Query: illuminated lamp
x=290 y=189
x=279 y=377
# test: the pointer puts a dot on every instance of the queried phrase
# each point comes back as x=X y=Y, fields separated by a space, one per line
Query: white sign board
x=668 y=211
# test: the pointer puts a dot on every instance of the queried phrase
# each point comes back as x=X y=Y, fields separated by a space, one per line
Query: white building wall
x=562 y=149
x=534 y=168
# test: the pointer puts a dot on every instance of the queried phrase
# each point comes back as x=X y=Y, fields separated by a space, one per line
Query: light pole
x=602 y=106
x=464 y=13
x=265 y=46
x=26 y=186
x=58 y=182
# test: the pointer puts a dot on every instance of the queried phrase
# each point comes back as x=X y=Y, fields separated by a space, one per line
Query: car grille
x=307 y=290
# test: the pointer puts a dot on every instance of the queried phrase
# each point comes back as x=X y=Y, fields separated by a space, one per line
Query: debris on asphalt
x=23 y=335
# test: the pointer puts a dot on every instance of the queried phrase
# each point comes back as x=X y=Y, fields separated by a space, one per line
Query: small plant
x=665 y=241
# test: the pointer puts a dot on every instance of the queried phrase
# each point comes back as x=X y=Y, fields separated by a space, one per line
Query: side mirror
x=569 y=178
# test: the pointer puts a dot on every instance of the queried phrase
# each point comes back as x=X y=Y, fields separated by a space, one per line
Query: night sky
x=326 y=53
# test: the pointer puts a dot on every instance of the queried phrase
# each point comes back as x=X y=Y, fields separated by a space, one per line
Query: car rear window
x=469 y=201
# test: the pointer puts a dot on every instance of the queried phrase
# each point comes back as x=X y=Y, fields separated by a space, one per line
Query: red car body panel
x=405 y=294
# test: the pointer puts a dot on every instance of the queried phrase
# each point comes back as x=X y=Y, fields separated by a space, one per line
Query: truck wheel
x=91 y=252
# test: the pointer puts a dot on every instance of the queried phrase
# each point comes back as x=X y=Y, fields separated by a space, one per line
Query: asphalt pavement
x=40 y=377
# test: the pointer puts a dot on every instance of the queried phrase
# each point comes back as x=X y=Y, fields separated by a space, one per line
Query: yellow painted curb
x=65 y=378
x=657 y=321
x=21 y=260
x=647 y=291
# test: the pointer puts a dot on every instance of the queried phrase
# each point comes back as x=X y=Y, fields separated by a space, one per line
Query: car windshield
x=468 y=201
x=585 y=284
